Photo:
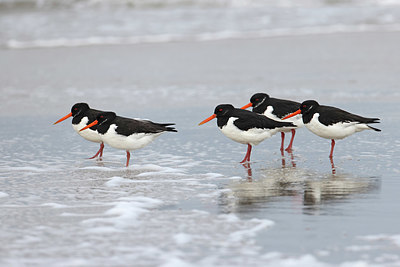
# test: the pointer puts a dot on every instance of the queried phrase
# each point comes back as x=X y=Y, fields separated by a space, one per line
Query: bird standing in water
x=276 y=109
x=244 y=126
x=127 y=134
x=82 y=115
x=332 y=123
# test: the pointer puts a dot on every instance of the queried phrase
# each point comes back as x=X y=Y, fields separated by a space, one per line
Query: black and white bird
x=83 y=115
x=244 y=126
x=276 y=109
x=127 y=134
x=332 y=123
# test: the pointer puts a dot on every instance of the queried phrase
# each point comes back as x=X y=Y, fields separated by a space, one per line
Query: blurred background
x=176 y=56
x=55 y=23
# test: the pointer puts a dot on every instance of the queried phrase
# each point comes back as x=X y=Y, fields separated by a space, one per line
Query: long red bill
x=89 y=125
x=247 y=106
x=63 y=118
x=208 y=119
x=293 y=114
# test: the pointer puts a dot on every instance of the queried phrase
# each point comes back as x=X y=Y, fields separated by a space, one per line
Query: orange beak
x=63 y=118
x=292 y=115
x=208 y=119
x=89 y=125
x=247 y=106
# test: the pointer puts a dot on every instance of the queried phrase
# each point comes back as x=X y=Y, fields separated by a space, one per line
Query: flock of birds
x=268 y=117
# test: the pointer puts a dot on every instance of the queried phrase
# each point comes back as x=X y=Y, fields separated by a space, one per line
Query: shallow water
x=71 y=23
x=185 y=199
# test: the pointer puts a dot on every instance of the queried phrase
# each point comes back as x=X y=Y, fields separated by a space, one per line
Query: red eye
x=220 y=109
x=257 y=99
x=101 y=116
x=75 y=108
x=304 y=106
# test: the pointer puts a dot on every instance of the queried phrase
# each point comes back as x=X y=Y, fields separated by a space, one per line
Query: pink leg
x=99 y=152
x=332 y=146
x=128 y=156
x=247 y=157
x=101 y=147
x=289 y=148
x=283 y=140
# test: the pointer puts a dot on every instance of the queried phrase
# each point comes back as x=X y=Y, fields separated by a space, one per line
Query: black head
x=308 y=106
x=79 y=108
x=223 y=110
x=258 y=99
x=106 y=117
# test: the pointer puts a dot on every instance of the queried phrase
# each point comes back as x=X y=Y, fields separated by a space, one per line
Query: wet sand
x=331 y=68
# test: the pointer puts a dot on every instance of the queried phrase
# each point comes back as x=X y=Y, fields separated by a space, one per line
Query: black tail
x=373 y=120
x=375 y=129
x=168 y=129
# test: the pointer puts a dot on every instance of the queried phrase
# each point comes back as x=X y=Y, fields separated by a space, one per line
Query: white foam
x=182 y=238
x=175 y=262
x=2 y=194
x=211 y=175
x=251 y=231
x=395 y=239
x=232 y=218
x=54 y=205
x=212 y=36
x=125 y=213
x=117 y=181
x=360 y=248
x=163 y=173
x=97 y=168
x=279 y=259
x=30 y=169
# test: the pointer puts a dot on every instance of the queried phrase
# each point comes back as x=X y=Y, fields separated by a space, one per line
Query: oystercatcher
x=330 y=122
x=127 y=134
x=276 y=109
x=83 y=115
x=244 y=126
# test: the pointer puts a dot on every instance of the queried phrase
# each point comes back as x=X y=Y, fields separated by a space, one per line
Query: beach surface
x=185 y=200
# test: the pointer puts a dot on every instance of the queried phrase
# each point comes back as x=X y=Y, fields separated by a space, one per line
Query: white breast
x=131 y=142
x=336 y=131
x=88 y=134
x=252 y=136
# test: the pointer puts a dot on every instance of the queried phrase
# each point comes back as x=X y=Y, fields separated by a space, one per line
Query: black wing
x=331 y=115
x=248 y=120
x=283 y=107
x=128 y=126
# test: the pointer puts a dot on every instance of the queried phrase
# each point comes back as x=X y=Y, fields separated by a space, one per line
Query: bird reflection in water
x=333 y=188
x=273 y=183
x=249 y=171
x=306 y=190
x=247 y=167
x=333 y=166
x=292 y=161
